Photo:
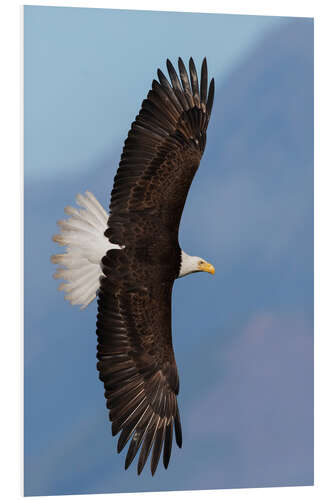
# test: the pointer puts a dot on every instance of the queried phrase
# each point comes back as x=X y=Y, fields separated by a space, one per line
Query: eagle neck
x=186 y=264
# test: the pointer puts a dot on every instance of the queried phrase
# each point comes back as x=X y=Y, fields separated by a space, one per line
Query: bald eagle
x=131 y=257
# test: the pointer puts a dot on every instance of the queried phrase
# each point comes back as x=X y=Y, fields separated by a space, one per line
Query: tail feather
x=92 y=206
x=83 y=235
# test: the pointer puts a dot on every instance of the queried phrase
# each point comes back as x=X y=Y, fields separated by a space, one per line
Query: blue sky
x=244 y=338
x=88 y=70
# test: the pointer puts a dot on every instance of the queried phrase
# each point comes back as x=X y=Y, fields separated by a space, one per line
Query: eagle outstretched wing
x=136 y=358
x=138 y=368
x=162 y=151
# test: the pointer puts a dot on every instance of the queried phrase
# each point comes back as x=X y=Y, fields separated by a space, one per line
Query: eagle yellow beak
x=207 y=267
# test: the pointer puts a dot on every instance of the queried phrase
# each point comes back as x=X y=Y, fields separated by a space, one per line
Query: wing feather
x=185 y=83
x=176 y=86
x=203 y=84
x=194 y=83
x=210 y=98
x=167 y=444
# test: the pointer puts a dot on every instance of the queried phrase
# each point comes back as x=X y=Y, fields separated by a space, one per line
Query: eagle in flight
x=131 y=257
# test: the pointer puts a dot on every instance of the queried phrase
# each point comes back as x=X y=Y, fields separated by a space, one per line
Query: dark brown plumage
x=136 y=360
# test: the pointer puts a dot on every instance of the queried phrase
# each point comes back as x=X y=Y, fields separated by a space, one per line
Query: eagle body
x=131 y=257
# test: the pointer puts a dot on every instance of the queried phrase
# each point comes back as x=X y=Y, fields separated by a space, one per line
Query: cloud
x=262 y=411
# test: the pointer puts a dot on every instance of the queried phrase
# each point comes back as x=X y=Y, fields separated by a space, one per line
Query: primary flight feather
x=131 y=258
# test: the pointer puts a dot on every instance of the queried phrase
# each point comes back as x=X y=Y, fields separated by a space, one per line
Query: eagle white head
x=192 y=264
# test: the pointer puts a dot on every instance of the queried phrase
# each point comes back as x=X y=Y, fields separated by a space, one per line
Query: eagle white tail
x=83 y=234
